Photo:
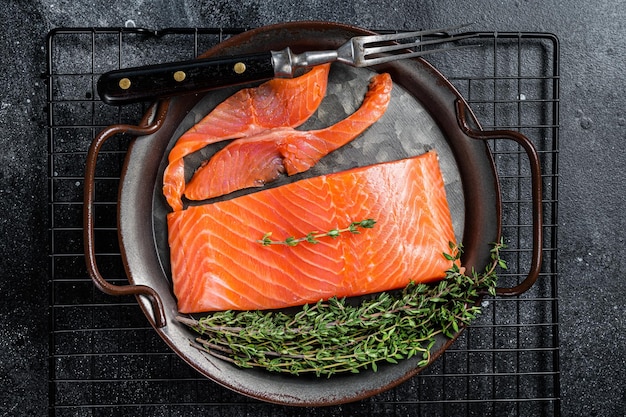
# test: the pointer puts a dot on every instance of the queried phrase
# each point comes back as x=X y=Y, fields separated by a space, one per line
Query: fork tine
x=395 y=47
x=394 y=57
x=404 y=35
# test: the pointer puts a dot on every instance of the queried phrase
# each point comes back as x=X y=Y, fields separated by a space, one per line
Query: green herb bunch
x=334 y=336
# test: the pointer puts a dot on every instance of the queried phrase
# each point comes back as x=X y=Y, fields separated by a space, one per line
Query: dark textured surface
x=592 y=162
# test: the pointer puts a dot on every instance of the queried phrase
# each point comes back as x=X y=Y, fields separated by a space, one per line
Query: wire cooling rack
x=106 y=360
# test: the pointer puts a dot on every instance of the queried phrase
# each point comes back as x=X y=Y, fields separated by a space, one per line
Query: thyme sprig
x=333 y=336
x=312 y=237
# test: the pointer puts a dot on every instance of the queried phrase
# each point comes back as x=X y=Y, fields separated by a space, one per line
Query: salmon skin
x=275 y=103
x=256 y=160
x=218 y=263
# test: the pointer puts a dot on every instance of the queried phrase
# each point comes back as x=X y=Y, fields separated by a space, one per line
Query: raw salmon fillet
x=256 y=160
x=275 y=103
x=219 y=264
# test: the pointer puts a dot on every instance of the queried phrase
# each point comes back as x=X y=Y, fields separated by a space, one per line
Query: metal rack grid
x=104 y=357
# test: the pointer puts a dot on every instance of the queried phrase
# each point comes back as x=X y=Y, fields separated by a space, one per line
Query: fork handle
x=164 y=80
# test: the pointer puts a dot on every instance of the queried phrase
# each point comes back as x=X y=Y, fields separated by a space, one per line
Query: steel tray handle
x=149 y=124
x=537 y=211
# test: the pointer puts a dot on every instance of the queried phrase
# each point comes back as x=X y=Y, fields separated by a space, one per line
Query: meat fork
x=164 y=80
x=365 y=51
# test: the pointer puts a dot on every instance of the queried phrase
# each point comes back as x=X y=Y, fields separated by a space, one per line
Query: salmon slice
x=256 y=160
x=275 y=103
x=218 y=263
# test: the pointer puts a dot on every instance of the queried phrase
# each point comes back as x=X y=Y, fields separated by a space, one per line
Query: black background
x=592 y=165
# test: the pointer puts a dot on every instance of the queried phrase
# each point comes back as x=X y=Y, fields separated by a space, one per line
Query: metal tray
x=429 y=113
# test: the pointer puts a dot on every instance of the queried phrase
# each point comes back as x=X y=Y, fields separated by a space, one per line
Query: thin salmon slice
x=256 y=160
x=219 y=264
x=275 y=103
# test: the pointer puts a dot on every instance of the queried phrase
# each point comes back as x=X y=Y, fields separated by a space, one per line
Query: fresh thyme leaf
x=333 y=336
x=312 y=237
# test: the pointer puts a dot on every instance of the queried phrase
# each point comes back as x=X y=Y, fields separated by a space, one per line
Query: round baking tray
x=426 y=112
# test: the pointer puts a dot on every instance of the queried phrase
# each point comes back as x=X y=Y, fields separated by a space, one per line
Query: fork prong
x=395 y=57
x=404 y=35
x=403 y=46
